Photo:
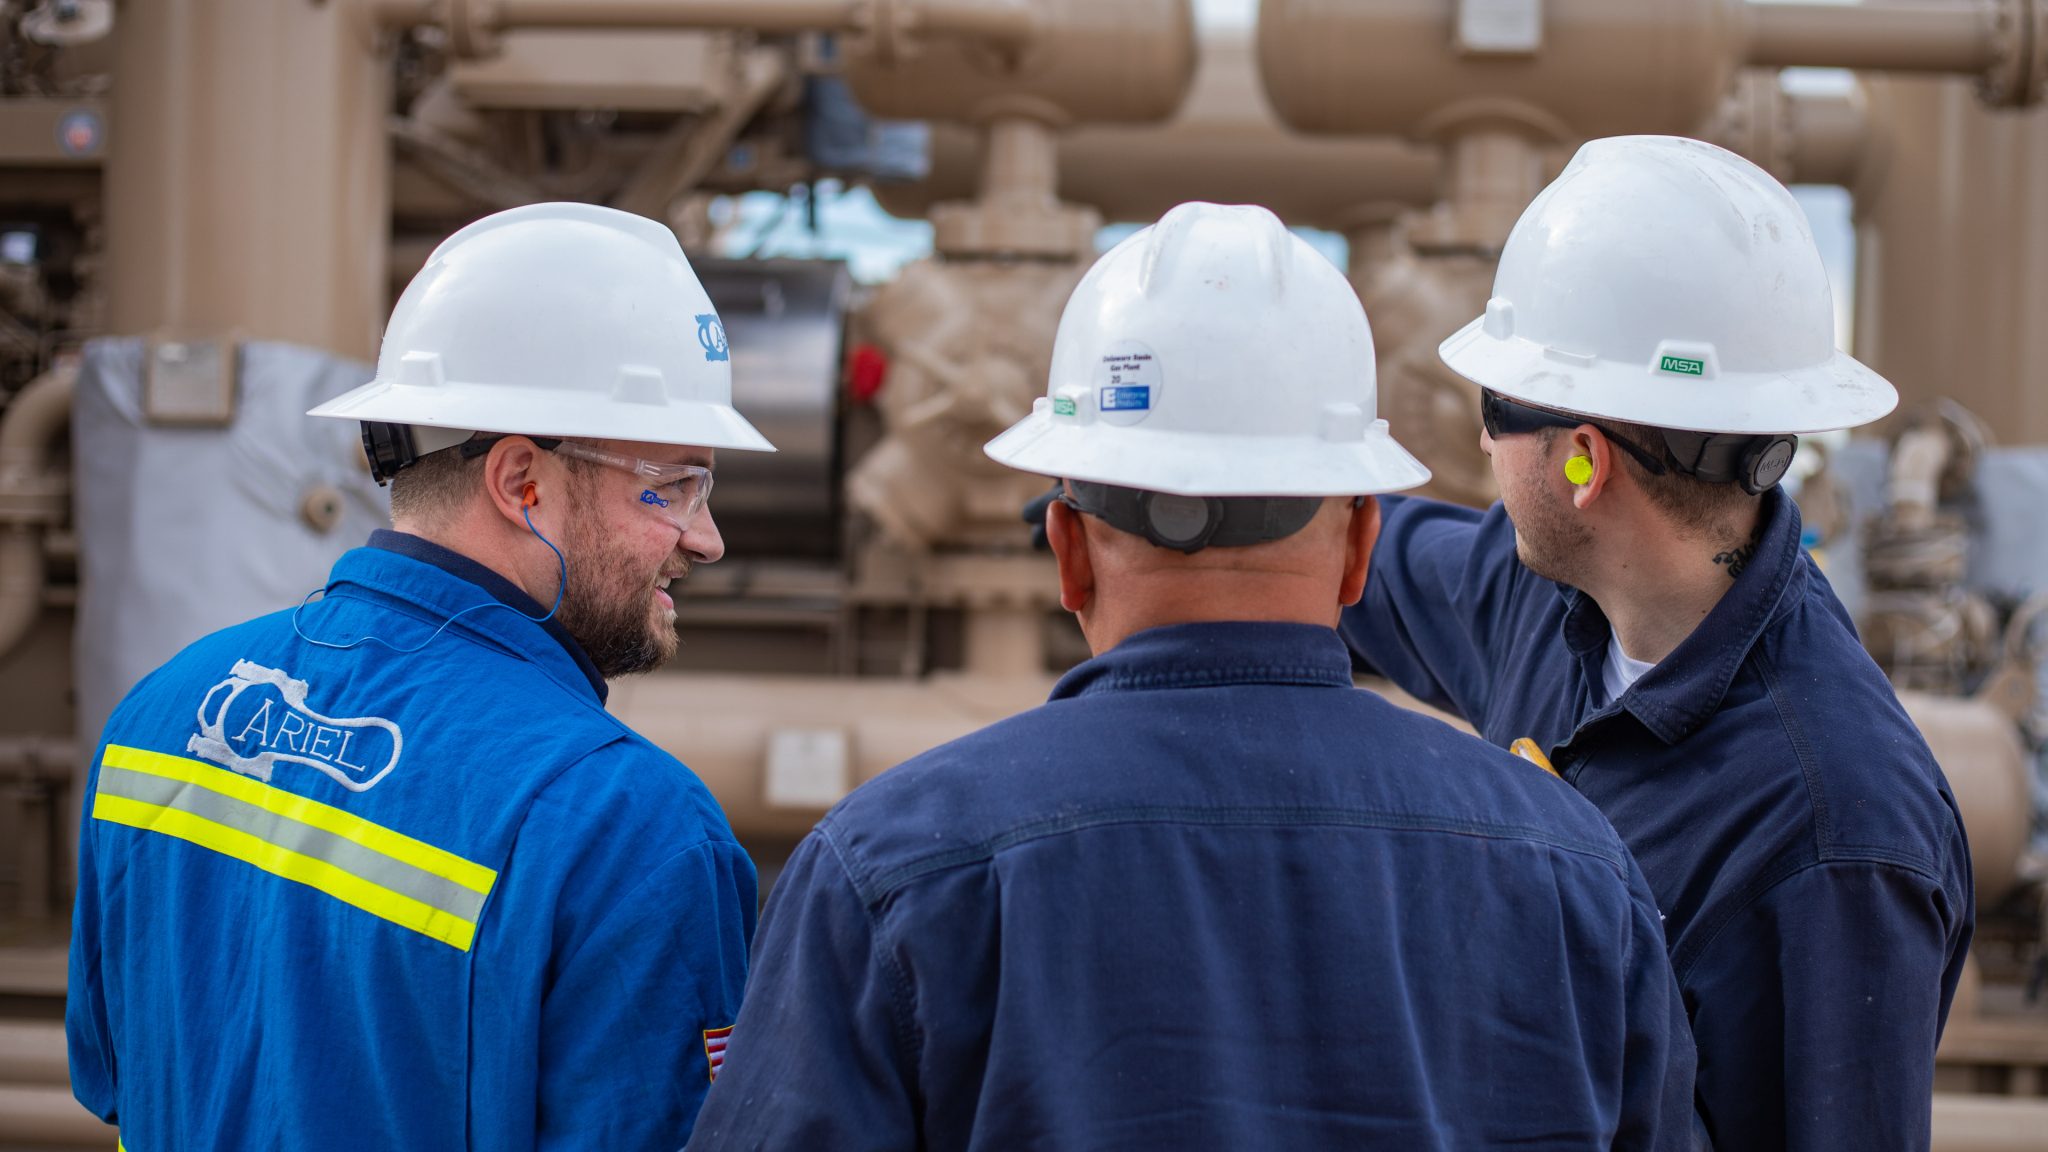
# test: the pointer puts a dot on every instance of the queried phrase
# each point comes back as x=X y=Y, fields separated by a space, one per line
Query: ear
x=1359 y=537
x=1067 y=531
x=1593 y=444
x=512 y=470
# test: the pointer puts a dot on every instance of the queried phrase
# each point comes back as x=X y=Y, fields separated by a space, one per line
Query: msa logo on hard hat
x=1683 y=366
x=711 y=334
x=257 y=718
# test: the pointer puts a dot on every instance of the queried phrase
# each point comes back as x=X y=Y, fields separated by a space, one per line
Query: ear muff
x=1766 y=462
x=389 y=448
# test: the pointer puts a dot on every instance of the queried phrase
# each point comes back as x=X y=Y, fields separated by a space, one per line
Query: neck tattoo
x=1737 y=558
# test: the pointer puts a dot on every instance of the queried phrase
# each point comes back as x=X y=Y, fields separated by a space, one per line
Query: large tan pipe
x=34 y=419
x=989 y=21
x=250 y=191
x=1223 y=145
x=1957 y=36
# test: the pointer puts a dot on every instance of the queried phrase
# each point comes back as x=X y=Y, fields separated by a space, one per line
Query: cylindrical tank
x=1952 y=255
x=1224 y=145
x=1088 y=61
x=1978 y=748
x=250 y=189
x=1416 y=67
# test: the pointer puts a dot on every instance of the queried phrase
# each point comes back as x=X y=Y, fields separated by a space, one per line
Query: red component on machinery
x=867 y=367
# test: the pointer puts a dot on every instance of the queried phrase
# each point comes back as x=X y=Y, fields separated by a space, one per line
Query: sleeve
x=87 y=1033
x=822 y=1056
x=1658 y=1062
x=630 y=1016
x=1437 y=601
x=1817 y=1009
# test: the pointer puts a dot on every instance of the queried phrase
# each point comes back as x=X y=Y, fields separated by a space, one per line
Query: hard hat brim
x=1838 y=393
x=691 y=422
x=1184 y=463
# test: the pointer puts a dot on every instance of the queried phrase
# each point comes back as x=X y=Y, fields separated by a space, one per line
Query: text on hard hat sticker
x=1129 y=398
x=1683 y=366
x=1127 y=383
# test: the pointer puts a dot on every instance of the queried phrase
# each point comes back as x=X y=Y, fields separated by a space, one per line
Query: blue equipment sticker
x=1128 y=383
x=711 y=334
x=1129 y=398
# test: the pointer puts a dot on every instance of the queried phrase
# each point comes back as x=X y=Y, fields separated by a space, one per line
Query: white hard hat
x=556 y=320
x=1213 y=354
x=1668 y=282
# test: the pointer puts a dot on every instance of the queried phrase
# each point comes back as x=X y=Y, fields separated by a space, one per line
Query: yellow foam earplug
x=1578 y=469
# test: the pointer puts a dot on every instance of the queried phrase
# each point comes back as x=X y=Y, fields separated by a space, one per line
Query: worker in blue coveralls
x=1210 y=895
x=1638 y=614
x=381 y=872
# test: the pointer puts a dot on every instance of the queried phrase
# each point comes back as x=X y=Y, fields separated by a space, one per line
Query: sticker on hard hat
x=1127 y=383
x=711 y=334
x=1682 y=366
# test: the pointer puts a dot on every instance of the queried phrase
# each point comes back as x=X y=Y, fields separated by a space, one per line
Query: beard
x=611 y=609
x=1549 y=540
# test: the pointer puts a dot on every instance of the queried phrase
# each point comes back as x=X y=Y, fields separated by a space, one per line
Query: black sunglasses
x=1505 y=417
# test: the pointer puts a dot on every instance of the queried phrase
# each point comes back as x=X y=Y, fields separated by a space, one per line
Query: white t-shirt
x=1621 y=669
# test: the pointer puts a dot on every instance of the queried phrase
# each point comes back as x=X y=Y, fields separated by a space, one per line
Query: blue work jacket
x=1803 y=845
x=353 y=900
x=1210 y=896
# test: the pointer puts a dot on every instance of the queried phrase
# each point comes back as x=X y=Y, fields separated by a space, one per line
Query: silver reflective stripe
x=304 y=839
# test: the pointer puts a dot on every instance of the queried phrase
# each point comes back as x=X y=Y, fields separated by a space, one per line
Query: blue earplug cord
x=561 y=587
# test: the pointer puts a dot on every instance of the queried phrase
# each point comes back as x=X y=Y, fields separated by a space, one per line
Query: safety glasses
x=1505 y=417
x=676 y=492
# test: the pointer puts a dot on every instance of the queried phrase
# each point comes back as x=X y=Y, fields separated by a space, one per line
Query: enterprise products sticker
x=1128 y=383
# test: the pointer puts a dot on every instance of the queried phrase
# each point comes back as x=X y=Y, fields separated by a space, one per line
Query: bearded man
x=381 y=872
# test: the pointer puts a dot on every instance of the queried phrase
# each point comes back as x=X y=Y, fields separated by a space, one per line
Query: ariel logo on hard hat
x=711 y=334
x=257 y=718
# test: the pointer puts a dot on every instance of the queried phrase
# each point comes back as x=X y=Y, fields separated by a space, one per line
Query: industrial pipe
x=476 y=24
x=1943 y=36
x=1002 y=22
x=31 y=498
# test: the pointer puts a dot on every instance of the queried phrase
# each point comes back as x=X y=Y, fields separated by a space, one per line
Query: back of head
x=1212 y=387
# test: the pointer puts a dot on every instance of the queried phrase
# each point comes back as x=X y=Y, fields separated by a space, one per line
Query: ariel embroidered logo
x=257 y=718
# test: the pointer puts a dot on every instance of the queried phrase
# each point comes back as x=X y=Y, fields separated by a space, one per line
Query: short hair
x=432 y=487
x=1697 y=506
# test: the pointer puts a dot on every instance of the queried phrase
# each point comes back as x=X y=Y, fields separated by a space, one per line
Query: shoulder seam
x=1683 y=964
x=1816 y=799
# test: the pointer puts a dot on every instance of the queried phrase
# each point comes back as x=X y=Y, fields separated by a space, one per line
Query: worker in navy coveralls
x=1639 y=612
x=1210 y=895
x=382 y=874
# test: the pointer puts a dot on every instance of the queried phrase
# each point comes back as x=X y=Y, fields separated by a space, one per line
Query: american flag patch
x=714 y=1047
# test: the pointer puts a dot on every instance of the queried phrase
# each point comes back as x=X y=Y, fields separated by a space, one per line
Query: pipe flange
x=473 y=28
x=2016 y=78
x=35 y=505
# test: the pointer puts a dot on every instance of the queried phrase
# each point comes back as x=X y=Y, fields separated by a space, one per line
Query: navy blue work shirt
x=1803 y=844
x=1210 y=896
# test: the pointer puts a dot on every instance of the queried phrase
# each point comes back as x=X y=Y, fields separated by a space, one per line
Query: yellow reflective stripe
x=344 y=886
x=292 y=806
